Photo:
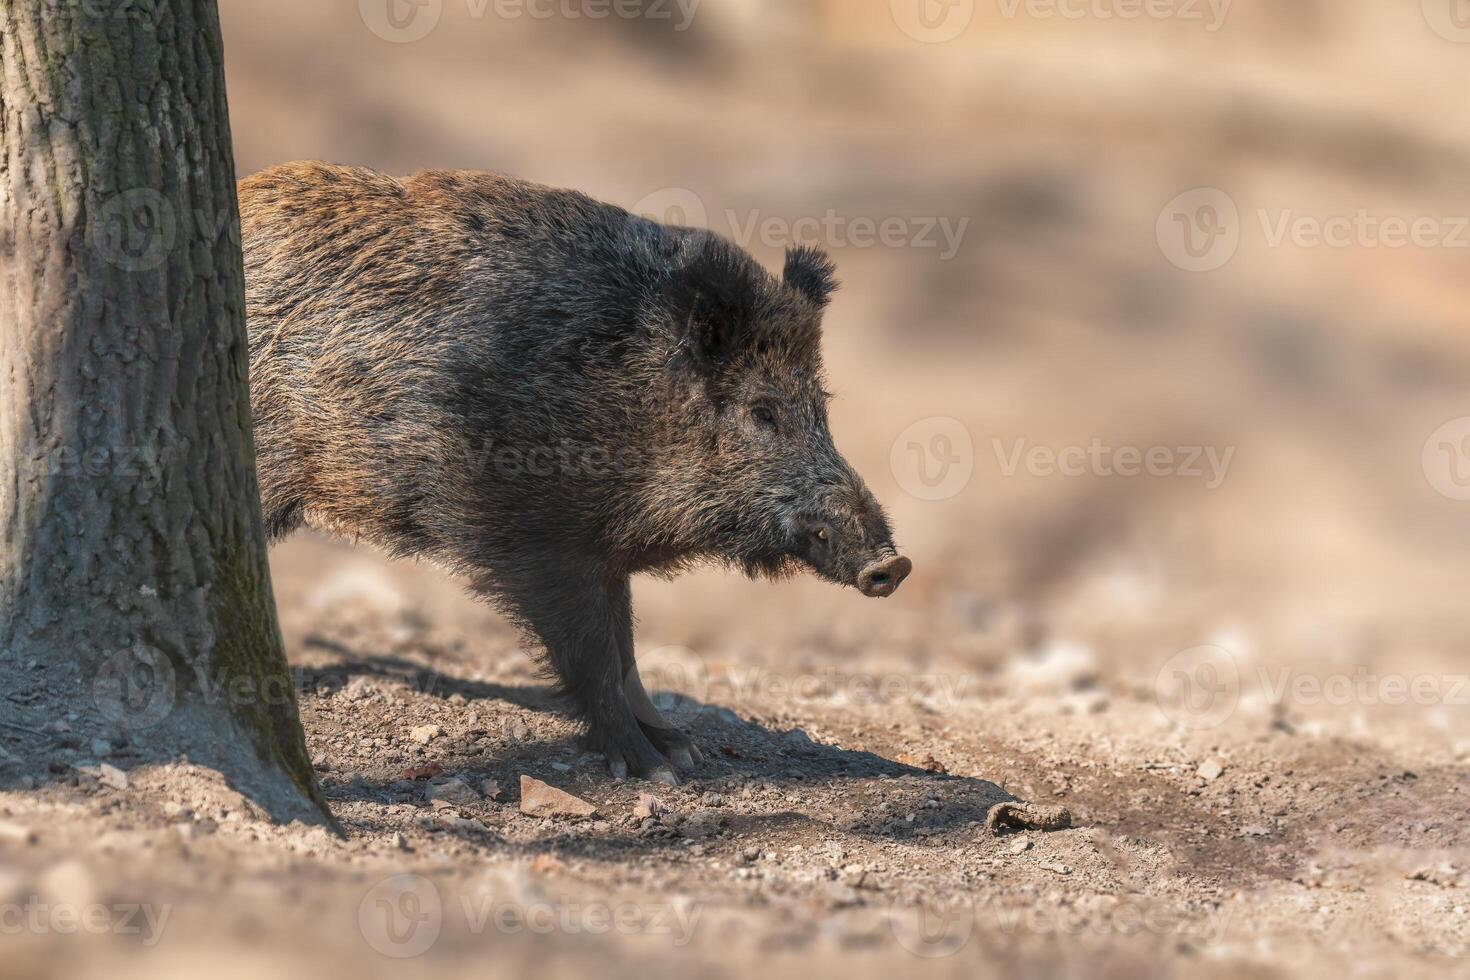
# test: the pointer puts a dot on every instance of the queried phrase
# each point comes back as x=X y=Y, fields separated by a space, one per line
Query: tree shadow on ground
x=77 y=725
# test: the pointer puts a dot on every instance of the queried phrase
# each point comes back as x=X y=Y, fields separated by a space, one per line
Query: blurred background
x=1229 y=231
x=1153 y=341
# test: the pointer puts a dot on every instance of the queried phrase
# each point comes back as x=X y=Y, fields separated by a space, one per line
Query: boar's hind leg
x=583 y=626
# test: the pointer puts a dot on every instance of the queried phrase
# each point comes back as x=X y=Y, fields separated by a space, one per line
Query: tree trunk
x=133 y=567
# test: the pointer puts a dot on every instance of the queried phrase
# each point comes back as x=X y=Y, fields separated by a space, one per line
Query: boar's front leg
x=670 y=741
x=584 y=624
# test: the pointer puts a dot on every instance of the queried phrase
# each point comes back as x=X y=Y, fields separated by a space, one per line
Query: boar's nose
x=882 y=578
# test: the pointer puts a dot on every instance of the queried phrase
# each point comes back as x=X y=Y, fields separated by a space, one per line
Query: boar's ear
x=712 y=302
x=812 y=273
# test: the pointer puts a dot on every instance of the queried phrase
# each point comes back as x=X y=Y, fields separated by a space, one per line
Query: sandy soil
x=838 y=827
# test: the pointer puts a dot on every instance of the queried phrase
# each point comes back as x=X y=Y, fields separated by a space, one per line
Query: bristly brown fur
x=544 y=393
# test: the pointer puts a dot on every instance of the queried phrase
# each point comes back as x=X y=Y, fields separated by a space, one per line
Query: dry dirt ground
x=837 y=828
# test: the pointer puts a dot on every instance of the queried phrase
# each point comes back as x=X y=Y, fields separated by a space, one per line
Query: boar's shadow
x=768 y=759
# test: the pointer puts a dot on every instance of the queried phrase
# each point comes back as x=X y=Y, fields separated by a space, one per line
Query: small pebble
x=647 y=806
x=455 y=792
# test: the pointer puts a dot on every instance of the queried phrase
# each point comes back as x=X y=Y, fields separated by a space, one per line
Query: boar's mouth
x=838 y=531
x=878 y=578
x=848 y=559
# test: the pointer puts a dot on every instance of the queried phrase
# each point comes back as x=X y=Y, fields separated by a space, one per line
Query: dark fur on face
x=545 y=394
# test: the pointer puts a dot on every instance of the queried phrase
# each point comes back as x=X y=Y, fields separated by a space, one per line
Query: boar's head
x=749 y=472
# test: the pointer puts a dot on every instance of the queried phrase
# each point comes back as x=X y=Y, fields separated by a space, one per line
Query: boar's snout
x=850 y=542
x=882 y=578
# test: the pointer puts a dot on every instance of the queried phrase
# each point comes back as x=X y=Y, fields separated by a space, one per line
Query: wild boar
x=547 y=395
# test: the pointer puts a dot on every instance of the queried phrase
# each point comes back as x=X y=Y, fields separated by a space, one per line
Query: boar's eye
x=764 y=416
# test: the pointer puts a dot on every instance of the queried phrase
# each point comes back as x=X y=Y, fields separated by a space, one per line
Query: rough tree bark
x=133 y=567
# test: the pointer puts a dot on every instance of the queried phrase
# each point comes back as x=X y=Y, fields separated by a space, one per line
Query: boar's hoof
x=623 y=762
x=618 y=766
x=665 y=775
x=679 y=748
